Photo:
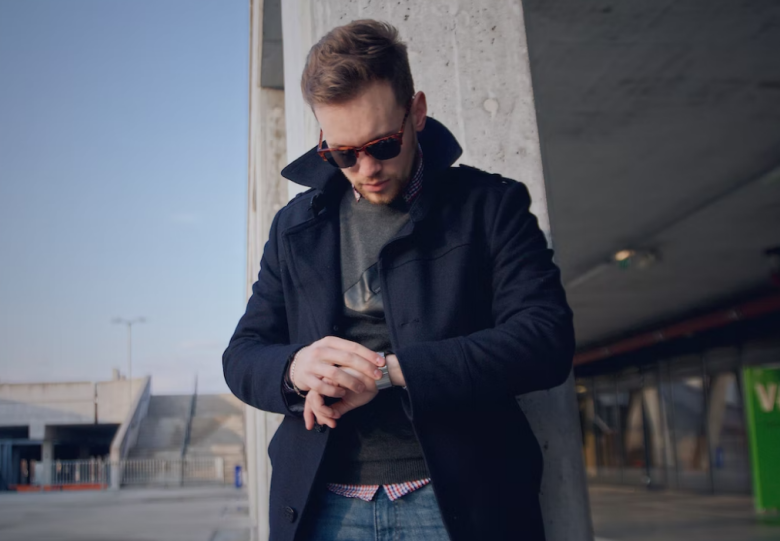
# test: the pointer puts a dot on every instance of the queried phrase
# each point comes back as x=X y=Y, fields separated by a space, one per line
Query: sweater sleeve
x=256 y=358
x=531 y=344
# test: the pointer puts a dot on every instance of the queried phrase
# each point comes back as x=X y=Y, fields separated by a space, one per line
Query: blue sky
x=123 y=165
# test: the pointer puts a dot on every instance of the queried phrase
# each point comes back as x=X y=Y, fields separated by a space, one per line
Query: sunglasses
x=384 y=148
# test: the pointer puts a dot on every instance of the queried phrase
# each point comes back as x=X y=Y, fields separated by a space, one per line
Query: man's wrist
x=289 y=374
x=394 y=369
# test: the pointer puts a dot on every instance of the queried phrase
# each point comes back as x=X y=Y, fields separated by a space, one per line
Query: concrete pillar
x=718 y=397
x=219 y=469
x=657 y=428
x=47 y=461
x=115 y=472
x=267 y=193
x=471 y=59
x=589 y=438
x=634 y=439
x=36 y=431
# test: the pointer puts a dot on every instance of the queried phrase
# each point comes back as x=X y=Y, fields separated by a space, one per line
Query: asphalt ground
x=222 y=514
x=179 y=514
x=621 y=514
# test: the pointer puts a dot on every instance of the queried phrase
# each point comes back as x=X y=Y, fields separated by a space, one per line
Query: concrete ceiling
x=272 y=65
x=661 y=130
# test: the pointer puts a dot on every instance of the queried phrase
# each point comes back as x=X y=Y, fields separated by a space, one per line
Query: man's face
x=372 y=114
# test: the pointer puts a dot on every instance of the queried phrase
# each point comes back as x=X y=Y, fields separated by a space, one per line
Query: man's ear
x=419 y=111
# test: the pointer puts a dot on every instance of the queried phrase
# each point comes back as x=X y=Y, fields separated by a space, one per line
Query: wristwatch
x=385 y=382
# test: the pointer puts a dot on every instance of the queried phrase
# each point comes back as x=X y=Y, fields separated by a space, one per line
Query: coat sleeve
x=531 y=344
x=256 y=357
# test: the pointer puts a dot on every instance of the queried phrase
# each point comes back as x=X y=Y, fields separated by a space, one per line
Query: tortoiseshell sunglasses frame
x=365 y=148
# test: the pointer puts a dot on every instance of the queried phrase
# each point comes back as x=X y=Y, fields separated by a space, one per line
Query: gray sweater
x=374 y=444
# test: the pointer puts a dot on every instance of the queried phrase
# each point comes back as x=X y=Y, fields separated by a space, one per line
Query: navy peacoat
x=476 y=313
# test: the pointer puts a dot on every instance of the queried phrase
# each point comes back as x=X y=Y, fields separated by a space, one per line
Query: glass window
x=632 y=417
x=606 y=429
x=585 y=402
x=656 y=427
x=726 y=423
x=688 y=396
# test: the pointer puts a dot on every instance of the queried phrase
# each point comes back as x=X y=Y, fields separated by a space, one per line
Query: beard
x=391 y=191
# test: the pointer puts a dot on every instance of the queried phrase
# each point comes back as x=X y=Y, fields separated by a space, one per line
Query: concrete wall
x=127 y=435
x=47 y=403
x=469 y=57
x=114 y=399
x=40 y=404
x=267 y=193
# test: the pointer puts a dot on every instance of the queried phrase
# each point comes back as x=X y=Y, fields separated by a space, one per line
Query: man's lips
x=376 y=186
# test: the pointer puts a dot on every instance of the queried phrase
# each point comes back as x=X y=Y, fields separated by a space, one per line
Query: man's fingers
x=332 y=350
x=353 y=347
x=308 y=416
x=338 y=357
x=326 y=421
x=323 y=388
x=320 y=409
x=337 y=376
x=316 y=412
x=341 y=407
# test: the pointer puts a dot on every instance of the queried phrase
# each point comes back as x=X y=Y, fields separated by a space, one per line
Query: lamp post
x=129 y=323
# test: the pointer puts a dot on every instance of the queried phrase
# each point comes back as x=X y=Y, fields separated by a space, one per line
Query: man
x=401 y=305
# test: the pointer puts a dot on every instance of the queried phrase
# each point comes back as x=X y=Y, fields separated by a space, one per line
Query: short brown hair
x=351 y=56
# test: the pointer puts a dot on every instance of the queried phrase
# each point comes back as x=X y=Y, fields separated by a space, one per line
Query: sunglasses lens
x=341 y=158
x=385 y=150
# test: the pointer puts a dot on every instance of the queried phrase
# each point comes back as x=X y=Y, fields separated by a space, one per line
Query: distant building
x=118 y=420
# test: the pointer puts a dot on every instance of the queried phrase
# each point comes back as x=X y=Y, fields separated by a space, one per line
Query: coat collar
x=312 y=247
x=439 y=146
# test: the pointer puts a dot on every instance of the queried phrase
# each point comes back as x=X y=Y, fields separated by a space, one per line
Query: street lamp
x=129 y=323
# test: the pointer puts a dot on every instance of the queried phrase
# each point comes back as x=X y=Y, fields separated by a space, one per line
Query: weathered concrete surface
x=192 y=514
x=660 y=122
x=469 y=57
x=267 y=193
x=621 y=514
x=40 y=404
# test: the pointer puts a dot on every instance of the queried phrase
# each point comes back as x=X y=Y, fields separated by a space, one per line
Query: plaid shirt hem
x=367 y=492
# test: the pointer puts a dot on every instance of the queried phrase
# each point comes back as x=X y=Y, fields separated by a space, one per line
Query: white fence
x=130 y=472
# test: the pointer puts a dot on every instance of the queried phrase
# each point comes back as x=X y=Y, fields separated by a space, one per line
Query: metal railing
x=132 y=472
x=188 y=426
x=127 y=434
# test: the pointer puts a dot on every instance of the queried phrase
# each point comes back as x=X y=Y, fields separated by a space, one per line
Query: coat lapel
x=313 y=250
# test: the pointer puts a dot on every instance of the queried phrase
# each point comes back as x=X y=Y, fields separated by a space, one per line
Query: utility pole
x=129 y=323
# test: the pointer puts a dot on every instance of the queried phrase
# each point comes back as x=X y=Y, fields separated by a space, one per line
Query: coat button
x=319 y=428
x=290 y=514
x=336 y=328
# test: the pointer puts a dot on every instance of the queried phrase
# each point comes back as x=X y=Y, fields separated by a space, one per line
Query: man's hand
x=321 y=367
x=315 y=408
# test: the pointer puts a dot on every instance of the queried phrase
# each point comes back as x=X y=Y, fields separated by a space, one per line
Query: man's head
x=358 y=82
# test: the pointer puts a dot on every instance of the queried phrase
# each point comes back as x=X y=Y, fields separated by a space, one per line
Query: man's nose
x=368 y=166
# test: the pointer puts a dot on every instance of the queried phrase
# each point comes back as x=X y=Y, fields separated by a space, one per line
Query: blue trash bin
x=238 y=481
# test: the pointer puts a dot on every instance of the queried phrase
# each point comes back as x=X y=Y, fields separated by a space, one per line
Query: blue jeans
x=415 y=516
